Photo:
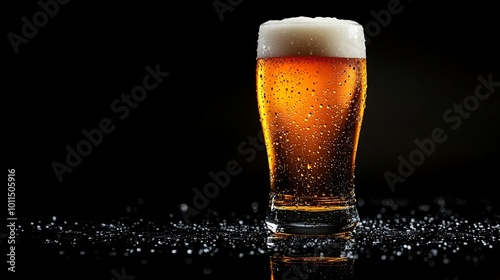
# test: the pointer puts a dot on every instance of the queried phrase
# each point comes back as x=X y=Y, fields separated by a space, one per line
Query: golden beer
x=311 y=99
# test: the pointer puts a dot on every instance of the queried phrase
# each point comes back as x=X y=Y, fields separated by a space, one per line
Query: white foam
x=306 y=36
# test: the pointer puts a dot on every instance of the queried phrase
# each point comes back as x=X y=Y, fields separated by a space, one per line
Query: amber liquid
x=311 y=110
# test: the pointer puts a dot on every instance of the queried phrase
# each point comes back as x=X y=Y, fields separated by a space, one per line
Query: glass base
x=309 y=247
x=288 y=220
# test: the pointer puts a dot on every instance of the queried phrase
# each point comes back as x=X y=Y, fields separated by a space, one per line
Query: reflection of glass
x=311 y=87
x=308 y=257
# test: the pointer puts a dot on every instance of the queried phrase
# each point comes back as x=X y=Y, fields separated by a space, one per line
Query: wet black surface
x=438 y=239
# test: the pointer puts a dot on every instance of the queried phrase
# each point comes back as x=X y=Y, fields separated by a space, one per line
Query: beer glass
x=311 y=91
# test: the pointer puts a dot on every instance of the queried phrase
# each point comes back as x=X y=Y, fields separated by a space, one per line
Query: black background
x=421 y=62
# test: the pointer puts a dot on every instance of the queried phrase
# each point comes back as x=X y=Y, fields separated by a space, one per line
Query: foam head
x=305 y=36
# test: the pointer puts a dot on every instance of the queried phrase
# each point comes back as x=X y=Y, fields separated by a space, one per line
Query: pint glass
x=311 y=91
